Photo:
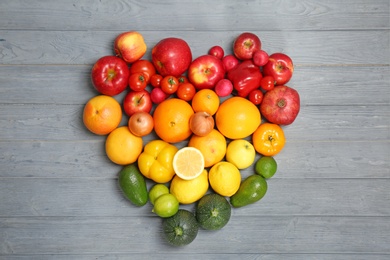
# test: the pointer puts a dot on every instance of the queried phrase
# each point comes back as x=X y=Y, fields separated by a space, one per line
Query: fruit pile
x=208 y=119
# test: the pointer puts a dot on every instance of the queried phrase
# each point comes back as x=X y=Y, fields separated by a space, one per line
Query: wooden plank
x=221 y=15
x=87 y=159
x=314 y=123
x=304 y=47
x=243 y=235
x=98 y=197
x=210 y=256
x=323 y=85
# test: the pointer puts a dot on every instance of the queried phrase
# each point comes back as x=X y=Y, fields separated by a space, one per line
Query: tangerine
x=205 y=100
x=171 y=120
x=268 y=139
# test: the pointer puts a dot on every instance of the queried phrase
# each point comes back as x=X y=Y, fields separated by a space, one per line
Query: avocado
x=252 y=189
x=133 y=185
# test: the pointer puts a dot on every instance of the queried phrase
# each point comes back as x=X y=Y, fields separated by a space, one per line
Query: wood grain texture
x=329 y=199
x=194 y=15
x=211 y=256
x=96 y=197
x=116 y=235
x=304 y=47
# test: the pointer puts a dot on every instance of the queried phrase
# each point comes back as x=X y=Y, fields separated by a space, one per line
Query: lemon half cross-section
x=188 y=163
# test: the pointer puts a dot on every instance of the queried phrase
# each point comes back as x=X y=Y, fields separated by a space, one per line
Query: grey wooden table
x=330 y=198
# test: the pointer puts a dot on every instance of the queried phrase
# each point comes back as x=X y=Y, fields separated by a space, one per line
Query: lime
x=156 y=191
x=266 y=166
x=166 y=205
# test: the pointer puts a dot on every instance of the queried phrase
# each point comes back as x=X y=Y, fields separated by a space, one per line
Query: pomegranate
x=280 y=105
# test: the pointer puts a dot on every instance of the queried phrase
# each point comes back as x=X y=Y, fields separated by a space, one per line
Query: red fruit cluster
x=248 y=71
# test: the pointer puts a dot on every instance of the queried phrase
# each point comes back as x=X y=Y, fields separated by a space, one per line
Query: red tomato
x=169 y=84
x=137 y=81
x=182 y=79
x=155 y=80
x=256 y=96
x=267 y=83
x=144 y=66
x=186 y=91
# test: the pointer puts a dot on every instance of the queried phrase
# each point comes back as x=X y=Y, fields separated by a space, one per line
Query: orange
x=102 y=114
x=122 y=147
x=205 y=100
x=237 y=118
x=188 y=163
x=212 y=146
x=171 y=120
x=268 y=139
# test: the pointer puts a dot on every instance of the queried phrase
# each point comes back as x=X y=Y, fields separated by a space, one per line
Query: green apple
x=241 y=153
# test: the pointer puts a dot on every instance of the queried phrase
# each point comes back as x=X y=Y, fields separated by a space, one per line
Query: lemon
x=188 y=163
x=225 y=178
x=189 y=191
x=241 y=153
x=156 y=191
x=166 y=205
x=266 y=166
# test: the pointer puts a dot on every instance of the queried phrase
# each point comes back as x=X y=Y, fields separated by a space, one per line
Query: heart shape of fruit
x=209 y=118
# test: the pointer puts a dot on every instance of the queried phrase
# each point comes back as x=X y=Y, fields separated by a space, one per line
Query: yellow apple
x=130 y=46
x=241 y=153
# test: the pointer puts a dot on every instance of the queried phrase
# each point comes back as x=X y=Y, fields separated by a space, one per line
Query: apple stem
x=139 y=100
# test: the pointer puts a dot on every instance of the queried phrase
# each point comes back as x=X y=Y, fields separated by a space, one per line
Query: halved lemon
x=188 y=163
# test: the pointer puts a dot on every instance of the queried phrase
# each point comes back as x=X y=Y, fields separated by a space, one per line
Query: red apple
x=230 y=62
x=217 y=51
x=205 y=71
x=171 y=56
x=280 y=67
x=224 y=88
x=157 y=95
x=260 y=58
x=130 y=46
x=137 y=101
x=110 y=75
x=280 y=105
x=245 y=45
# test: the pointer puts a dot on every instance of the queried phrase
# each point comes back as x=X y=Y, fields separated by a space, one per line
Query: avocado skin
x=252 y=189
x=133 y=185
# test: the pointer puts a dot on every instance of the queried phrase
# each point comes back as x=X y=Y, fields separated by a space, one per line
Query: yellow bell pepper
x=155 y=162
